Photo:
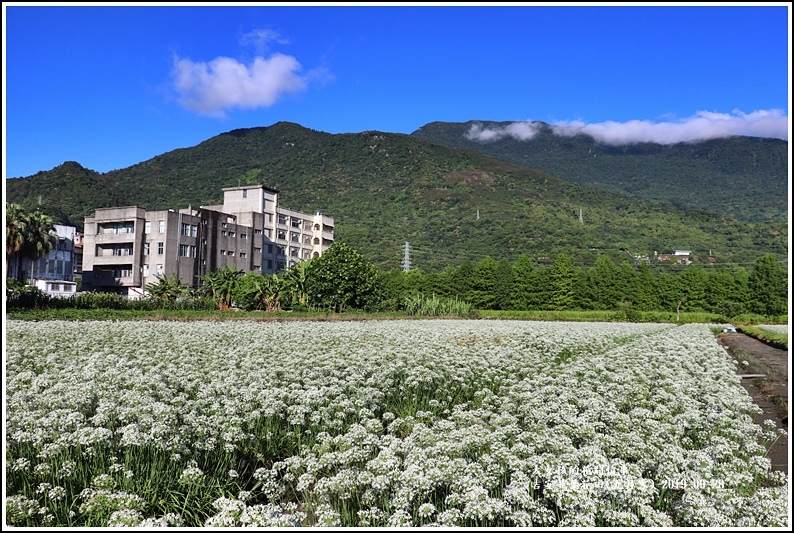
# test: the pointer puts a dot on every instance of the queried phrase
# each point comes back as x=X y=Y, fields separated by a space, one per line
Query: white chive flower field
x=380 y=424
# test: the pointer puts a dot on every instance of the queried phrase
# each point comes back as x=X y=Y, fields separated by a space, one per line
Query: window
x=161 y=225
x=270 y=264
x=257 y=232
x=147 y=227
x=296 y=222
x=223 y=224
x=293 y=252
x=223 y=233
x=223 y=252
x=192 y=251
x=306 y=254
x=269 y=217
x=193 y=230
x=124 y=227
x=230 y=253
x=185 y=229
x=281 y=235
x=307 y=239
x=268 y=233
x=245 y=193
x=257 y=250
x=159 y=270
x=183 y=250
x=231 y=234
x=159 y=248
x=243 y=235
x=282 y=250
x=243 y=255
x=282 y=219
x=257 y=268
x=294 y=237
x=145 y=270
x=270 y=248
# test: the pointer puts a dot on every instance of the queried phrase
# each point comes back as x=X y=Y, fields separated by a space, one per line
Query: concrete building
x=126 y=248
x=58 y=265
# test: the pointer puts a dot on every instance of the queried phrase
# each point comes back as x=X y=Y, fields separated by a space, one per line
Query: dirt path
x=769 y=390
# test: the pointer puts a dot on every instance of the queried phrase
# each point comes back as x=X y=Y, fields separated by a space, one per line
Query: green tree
x=719 y=292
x=523 y=282
x=463 y=279
x=563 y=277
x=440 y=282
x=503 y=285
x=692 y=282
x=768 y=286
x=296 y=283
x=167 y=289
x=39 y=238
x=627 y=284
x=600 y=290
x=646 y=295
x=222 y=285
x=341 y=278
x=481 y=295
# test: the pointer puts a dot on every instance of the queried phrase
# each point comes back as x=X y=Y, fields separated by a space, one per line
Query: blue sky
x=111 y=86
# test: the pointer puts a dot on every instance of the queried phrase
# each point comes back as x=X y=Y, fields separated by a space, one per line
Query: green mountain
x=384 y=189
x=745 y=177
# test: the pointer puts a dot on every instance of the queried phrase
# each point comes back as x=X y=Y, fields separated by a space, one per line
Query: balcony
x=108 y=238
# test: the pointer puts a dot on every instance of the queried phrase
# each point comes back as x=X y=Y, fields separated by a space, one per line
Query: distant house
x=682 y=252
x=58 y=288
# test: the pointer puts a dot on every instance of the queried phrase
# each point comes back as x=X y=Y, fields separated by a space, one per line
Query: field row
x=381 y=423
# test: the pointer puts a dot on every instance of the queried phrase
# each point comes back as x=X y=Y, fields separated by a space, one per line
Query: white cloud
x=261 y=39
x=523 y=131
x=702 y=126
x=223 y=83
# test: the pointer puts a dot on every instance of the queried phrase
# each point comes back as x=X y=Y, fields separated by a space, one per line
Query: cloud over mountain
x=702 y=126
x=216 y=86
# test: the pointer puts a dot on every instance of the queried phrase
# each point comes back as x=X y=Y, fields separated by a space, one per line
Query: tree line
x=342 y=278
x=563 y=286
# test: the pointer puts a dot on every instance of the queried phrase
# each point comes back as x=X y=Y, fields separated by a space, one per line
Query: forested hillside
x=744 y=177
x=385 y=189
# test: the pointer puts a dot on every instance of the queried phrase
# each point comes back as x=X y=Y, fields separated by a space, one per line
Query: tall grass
x=422 y=305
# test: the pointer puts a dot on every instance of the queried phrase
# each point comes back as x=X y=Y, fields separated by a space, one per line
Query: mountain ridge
x=746 y=177
x=385 y=189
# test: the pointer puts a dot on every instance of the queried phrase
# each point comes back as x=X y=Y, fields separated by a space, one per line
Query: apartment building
x=126 y=248
x=57 y=265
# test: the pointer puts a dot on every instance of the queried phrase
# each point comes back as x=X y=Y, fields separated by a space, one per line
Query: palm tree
x=274 y=286
x=222 y=285
x=296 y=280
x=39 y=238
x=15 y=231
x=167 y=289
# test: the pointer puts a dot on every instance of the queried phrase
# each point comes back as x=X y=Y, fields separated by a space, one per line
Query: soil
x=769 y=389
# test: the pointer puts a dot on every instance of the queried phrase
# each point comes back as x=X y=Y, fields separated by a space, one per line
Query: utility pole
x=581 y=220
x=478 y=214
x=406 y=258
